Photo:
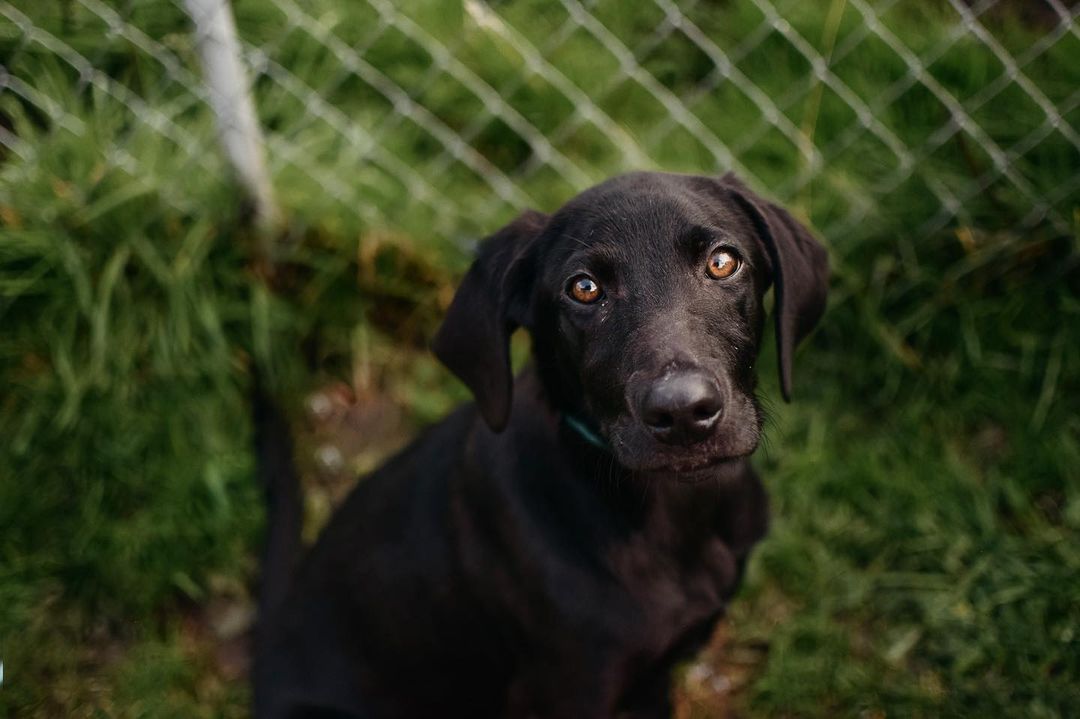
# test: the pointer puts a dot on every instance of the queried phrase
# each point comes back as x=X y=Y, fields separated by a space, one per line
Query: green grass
x=924 y=558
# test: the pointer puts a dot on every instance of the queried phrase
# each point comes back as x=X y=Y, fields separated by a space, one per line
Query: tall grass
x=924 y=558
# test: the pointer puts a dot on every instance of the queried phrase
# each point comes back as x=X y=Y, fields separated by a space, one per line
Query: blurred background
x=925 y=554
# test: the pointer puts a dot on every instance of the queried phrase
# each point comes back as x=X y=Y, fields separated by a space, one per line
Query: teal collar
x=585 y=430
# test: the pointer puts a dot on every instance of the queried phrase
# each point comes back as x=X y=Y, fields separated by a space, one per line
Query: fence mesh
x=444 y=118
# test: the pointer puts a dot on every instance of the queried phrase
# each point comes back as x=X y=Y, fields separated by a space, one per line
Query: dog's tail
x=276 y=470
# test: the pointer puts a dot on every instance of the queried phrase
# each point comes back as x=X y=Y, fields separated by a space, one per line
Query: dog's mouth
x=691 y=468
x=638 y=453
x=687 y=462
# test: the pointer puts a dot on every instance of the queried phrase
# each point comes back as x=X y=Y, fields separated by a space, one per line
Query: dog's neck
x=672 y=508
x=547 y=473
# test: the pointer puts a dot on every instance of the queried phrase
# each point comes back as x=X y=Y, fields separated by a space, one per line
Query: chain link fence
x=443 y=118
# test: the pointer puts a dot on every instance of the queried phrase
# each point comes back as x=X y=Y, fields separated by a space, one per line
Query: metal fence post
x=228 y=91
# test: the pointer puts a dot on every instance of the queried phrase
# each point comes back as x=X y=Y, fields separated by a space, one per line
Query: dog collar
x=586 y=432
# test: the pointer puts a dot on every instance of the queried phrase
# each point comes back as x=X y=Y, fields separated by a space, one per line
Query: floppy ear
x=493 y=299
x=800 y=272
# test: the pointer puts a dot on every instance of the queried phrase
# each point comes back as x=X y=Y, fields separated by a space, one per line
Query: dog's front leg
x=563 y=690
x=649 y=699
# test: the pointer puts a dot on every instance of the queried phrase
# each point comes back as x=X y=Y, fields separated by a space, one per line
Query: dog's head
x=643 y=296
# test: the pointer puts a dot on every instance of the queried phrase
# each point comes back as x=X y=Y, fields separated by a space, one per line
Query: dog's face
x=644 y=297
x=647 y=320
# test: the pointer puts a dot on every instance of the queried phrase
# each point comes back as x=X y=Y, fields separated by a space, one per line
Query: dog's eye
x=722 y=264
x=583 y=289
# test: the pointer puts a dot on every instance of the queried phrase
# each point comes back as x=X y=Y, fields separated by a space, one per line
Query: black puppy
x=554 y=549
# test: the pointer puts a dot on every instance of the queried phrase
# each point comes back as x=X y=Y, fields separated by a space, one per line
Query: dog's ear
x=492 y=301
x=800 y=272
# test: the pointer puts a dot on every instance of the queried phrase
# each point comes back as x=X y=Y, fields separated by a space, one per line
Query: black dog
x=554 y=549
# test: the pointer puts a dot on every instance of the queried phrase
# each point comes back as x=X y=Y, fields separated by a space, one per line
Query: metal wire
x=497 y=63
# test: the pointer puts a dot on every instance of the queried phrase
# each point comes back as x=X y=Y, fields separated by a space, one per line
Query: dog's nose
x=682 y=408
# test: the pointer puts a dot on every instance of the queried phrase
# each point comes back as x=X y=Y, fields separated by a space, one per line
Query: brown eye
x=584 y=289
x=722 y=264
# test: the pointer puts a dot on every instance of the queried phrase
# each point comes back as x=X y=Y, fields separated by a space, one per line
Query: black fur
x=504 y=565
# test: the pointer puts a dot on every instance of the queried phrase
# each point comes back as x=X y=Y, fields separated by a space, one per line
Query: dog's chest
x=674 y=590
